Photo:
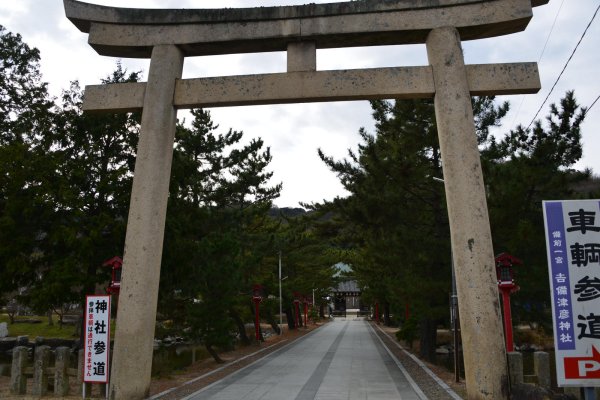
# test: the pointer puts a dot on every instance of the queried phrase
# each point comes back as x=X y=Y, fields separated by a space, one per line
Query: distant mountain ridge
x=287 y=212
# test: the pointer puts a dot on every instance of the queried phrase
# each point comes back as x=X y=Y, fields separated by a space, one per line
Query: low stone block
x=541 y=368
x=515 y=367
x=61 y=366
x=574 y=392
x=18 y=379
x=40 y=364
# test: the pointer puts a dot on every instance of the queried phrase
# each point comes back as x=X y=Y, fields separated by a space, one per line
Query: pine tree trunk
x=387 y=321
x=214 y=354
x=428 y=341
x=244 y=339
x=289 y=316
x=273 y=323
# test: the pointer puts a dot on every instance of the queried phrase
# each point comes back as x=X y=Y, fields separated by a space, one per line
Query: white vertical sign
x=97 y=339
x=573 y=243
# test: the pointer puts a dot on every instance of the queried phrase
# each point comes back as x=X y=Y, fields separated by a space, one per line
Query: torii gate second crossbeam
x=168 y=36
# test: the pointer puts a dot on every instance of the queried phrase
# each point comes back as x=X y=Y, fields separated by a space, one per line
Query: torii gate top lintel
x=131 y=33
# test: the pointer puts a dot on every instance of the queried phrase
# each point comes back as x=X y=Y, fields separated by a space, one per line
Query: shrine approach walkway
x=342 y=360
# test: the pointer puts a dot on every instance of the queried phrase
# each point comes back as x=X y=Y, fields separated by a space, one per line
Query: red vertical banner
x=97 y=339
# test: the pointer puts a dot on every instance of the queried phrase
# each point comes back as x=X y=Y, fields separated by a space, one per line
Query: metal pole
x=280 y=304
x=454 y=312
x=455 y=323
x=589 y=393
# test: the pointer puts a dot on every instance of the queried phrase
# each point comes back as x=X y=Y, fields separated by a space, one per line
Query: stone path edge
x=430 y=374
x=410 y=380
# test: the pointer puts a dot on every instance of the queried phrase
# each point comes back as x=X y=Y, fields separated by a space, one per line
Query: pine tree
x=219 y=191
x=522 y=169
x=397 y=212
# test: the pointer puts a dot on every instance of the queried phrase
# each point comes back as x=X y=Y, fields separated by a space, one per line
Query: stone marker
x=3 y=329
x=541 y=368
x=18 y=379
x=22 y=340
x=515 y=367
x=40 y=364
x=61 y=377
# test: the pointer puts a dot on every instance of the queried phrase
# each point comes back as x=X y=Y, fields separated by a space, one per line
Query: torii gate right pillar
x=485 y=365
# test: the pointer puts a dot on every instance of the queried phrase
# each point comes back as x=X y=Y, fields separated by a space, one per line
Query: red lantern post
x=307 y=302
x=116 y=263
x=506 y=285
x=257 y=298
x=305 y=313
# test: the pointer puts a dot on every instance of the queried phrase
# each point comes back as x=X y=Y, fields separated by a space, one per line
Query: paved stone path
x=342 y=360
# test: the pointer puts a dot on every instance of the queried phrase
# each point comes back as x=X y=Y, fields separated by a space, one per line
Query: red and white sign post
x=573 y=242
x=97 y=340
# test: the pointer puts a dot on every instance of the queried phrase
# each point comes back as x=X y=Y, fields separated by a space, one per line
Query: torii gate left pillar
x=166 y=36
x=146 y=224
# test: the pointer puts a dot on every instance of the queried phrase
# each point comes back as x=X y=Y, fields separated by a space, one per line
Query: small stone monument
x=22 y=340
x=3 y=329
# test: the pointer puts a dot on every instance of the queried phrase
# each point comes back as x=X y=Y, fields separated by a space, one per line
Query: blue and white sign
x=573 y=244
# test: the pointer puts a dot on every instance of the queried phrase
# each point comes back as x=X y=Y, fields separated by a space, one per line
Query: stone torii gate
x=168 y=36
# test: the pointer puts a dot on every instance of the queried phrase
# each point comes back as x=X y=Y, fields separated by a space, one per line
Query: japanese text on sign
x=573 y=244
x=97 y=339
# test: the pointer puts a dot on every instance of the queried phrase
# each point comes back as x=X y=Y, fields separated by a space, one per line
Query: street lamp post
x=280 y=304
x=454 y=321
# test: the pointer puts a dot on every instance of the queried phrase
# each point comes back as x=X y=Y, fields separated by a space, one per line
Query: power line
x=565 y=67
x=551 y=29
x=592 y=105
x=540 y=57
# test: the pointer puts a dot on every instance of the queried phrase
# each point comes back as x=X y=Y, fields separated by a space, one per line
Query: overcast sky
x=294 y=132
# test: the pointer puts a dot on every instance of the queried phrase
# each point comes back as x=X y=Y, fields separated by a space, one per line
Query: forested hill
x=287 y=212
